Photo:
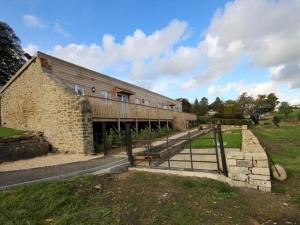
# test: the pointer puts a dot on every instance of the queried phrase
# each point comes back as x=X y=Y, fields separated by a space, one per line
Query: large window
x=106 y=95
x=79 y=89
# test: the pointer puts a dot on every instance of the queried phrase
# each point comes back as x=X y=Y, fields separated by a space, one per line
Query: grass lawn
x=141 y=198
x=7 y=132
x=291 y=115
x=283 y=144
x=232 y=139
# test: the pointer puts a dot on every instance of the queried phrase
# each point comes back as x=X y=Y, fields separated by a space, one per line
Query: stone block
x=244 y=163
x=239 y=177
x=262 y=163
x=235 y=155
x=263 y=183
x=231 y=162
x=238 y=170
x=260 y=171
x=259 y=156
x=248 y=155
x=259 y=177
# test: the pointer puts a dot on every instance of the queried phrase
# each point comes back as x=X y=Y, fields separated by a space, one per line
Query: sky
x=178 y=48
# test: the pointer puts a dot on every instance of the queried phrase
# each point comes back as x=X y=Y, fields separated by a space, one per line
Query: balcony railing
x=114 y=109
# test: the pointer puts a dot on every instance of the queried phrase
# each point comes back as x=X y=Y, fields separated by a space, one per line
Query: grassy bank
x=141 y=198
x=283 y=144
x=232 y=139
x=8 y=132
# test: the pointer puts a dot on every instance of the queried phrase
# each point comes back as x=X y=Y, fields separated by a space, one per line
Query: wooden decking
x=112 y=109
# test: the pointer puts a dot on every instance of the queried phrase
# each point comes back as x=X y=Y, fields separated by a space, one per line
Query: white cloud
x=266 y=32
x=148 y=57
x=31 y=49
x=253 y=89
x=33 y=21
x=60 y=30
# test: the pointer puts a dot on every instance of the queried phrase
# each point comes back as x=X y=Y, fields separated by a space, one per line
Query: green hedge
x=206 y=120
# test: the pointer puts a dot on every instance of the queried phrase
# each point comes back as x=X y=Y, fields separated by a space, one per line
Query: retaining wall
x=22 y=147
x=250 y=165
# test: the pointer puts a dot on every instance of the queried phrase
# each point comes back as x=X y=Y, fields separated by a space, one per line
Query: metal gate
x=178 y=153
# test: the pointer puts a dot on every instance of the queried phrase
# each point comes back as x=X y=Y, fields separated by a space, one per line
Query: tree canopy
x=12 y=55
x=285 y=108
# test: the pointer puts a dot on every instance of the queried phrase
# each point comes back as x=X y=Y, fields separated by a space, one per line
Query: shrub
x=298 y=116
x=276 y=120
x=200 y=128
x=238 y=122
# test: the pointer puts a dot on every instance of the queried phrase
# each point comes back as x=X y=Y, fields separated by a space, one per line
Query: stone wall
x=36 y=101
x=249 y=167
x=22 y=147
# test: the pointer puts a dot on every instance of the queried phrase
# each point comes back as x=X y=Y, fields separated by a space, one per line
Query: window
x=79 y=89
x=137 y=101
x=147 y=102
x=106 y=95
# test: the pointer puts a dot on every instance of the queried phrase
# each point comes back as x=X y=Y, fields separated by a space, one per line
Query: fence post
x=191 y=155
x=223 y=157
x=129 y=144
x=168 y=150
x=104 y=138
x=216 y=146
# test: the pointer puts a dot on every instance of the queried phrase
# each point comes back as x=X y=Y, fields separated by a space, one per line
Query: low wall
x=250 y=165
x=23 y=147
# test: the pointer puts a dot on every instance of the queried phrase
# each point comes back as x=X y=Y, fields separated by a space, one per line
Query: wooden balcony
x=112 y=109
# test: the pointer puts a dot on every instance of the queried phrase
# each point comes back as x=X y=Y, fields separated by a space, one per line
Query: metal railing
x=177 y=151
x=112 y=108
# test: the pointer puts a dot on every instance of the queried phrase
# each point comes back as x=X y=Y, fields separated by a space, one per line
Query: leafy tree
x=196 y=106
x=12 y=55
x=186 y=105
x=272 y=101
x=285 y=108
x=203 y=106
x=245 y=104
x=217 y=105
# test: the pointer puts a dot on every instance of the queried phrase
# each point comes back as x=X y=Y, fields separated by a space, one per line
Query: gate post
x=223 y=157
x=191 y=154
x=216 y=146
x=168 y=152
x=129 y=144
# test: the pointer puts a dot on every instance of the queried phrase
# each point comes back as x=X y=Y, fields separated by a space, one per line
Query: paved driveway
x=59 y=171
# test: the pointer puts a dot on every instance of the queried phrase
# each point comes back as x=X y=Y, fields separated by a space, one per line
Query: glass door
x=123 y=105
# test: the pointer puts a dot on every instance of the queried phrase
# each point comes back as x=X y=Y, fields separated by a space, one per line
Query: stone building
x=69 y=104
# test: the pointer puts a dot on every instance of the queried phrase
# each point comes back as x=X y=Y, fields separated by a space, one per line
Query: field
x=291 y=116
x=232 y=139
x=144 y=198
x=8 y=132
x=283 y=144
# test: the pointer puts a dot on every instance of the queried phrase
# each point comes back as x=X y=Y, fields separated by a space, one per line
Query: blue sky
x=177 y=48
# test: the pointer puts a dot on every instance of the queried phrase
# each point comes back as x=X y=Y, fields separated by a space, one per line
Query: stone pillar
x=149 y=124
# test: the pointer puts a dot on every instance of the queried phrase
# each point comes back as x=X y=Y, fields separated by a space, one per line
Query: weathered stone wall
x=250 y=165
x=179 y=122
x=23 y=147
x=35 y=101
